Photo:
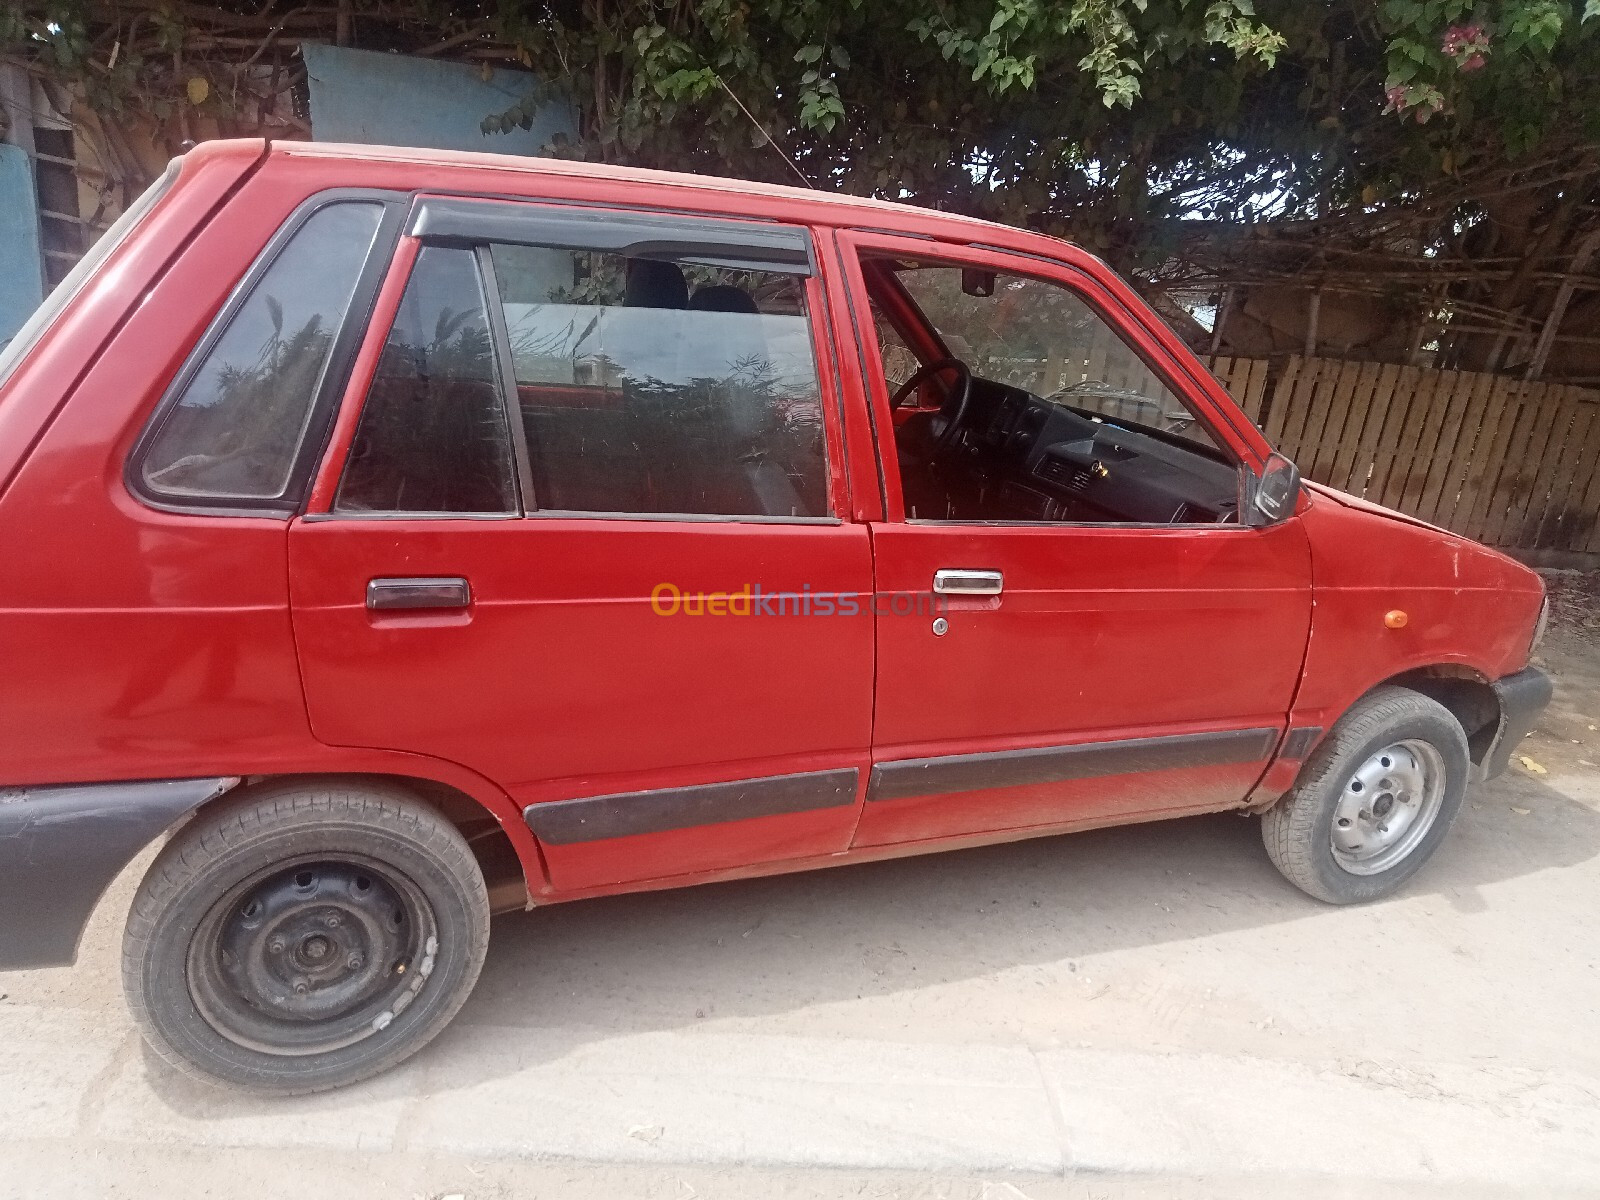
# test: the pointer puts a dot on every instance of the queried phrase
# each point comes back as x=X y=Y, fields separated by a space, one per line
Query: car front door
x=1074 y=625
x=581 y=453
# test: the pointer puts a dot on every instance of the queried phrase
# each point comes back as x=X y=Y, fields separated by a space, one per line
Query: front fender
x=60 y=848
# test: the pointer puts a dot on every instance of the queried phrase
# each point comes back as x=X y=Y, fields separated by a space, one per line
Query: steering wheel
x=962 y=395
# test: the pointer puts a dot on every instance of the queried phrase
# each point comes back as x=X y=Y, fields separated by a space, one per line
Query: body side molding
x=626 y=814
x=1299 y=742
x=902 y=779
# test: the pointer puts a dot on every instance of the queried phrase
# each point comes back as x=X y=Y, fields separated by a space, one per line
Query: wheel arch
x=1467 y=693
x=507 y=873
x=62 y=845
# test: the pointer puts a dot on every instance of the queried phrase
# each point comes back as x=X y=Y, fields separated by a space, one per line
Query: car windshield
x=1048 y=341
x=13 y=351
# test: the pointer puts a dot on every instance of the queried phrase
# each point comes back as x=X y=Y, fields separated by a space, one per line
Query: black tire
x=1299 y=829
x=369 y=926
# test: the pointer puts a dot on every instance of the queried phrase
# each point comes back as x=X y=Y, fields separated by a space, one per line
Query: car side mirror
x=1277 y=492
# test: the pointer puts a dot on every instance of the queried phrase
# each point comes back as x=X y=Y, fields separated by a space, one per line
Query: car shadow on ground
x=627 y=963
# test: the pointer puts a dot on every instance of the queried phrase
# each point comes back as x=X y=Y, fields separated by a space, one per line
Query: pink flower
x=1467 y=44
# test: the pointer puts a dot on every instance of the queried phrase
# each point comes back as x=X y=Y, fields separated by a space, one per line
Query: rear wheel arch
x=304 y=933
x=508 y=878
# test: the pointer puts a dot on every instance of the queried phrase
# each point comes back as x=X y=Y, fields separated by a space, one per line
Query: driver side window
x=899 y=363
x=1047 y=414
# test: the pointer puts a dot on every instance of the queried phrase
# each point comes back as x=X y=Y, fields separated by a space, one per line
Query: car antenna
x=771 y=141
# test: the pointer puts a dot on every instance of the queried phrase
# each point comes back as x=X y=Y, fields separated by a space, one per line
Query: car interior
x=1014 y=401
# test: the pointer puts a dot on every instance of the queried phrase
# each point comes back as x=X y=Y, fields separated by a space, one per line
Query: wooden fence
x=1508 y=463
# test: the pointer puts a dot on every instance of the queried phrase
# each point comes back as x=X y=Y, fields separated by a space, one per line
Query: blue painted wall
x=395 y=100
x=21 y=272
x=356 y=96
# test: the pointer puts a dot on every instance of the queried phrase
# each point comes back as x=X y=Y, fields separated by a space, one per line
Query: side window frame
x=408 y=262
x=476 y=223
x=856 y=245
x=506 y=377
x=330 y=387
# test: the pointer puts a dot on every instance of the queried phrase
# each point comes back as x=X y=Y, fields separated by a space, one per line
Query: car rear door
x=1100 y=672
x=545 y=542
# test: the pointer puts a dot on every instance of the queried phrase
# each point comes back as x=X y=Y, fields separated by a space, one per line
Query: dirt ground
x=1569 y=734
x=1148 y=1011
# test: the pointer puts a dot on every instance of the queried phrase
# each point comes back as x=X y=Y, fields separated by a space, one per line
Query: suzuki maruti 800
x=404 y=536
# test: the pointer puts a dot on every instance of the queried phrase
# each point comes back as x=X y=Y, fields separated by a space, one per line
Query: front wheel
x=300 y=937
x=1374 y=801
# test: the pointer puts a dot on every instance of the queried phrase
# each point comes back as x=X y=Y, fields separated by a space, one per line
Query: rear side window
x=653 y=386
x=675 y=379
x=235 y=429
x=433 y=434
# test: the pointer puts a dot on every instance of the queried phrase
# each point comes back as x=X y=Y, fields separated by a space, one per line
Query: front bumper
x=60 y=848
x=1522 y=697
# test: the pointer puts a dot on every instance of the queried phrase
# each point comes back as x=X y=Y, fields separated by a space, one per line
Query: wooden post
x=1222 y=315
x=1313 y=315
x=1414 y=351
x=1558 y=308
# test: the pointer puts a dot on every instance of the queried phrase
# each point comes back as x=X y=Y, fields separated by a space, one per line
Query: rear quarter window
x=233 y=427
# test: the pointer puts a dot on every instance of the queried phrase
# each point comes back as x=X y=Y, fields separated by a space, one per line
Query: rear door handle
x=430 y=591
x=954 y=581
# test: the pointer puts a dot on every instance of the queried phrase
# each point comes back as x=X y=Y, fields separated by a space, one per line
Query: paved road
x=1105 y=1014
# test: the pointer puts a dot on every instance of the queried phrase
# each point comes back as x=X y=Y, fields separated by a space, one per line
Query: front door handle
x=430 y=591
x=960 y=582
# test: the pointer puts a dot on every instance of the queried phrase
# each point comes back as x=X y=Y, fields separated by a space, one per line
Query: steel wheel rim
x=1387 y=807
x=312 y=955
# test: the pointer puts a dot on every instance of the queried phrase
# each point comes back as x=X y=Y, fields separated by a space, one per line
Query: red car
x=409 y=536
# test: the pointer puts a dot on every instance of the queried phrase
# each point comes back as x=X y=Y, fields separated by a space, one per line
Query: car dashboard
x=1040 y=460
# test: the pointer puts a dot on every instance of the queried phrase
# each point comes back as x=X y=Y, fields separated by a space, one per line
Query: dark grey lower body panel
x=626 y=814
x=1299 y=742
x=1522 y=697
x=905 y=778
x=61 y=846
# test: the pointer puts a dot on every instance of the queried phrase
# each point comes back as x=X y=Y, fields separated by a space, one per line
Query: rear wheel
x=1374 y=800
x=300 y=938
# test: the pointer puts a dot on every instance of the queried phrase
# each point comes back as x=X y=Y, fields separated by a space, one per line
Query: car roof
x=833 y=208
